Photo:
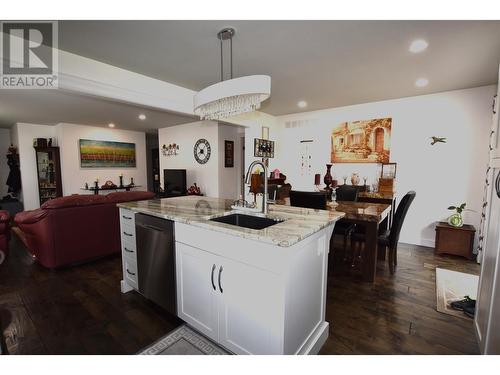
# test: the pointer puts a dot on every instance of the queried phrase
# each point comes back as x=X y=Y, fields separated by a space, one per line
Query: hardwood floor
x=396 y=314
x=80 y=310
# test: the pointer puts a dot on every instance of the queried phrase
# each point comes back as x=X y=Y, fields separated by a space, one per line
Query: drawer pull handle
x=212 y=277
x=127 y=217
x=130 y=273
x=220 y=273
x=127 y=234
x=128 y=251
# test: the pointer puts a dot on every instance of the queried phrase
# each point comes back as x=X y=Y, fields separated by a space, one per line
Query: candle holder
x=121 y=181
x=96 y=185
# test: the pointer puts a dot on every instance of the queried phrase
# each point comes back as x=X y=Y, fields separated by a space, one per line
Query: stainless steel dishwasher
x=156 y=260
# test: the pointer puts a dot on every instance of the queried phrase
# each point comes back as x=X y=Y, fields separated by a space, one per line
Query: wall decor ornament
x=202 y=151
x=437 y=140
x=366 y=141
x=106 y=154
x=263 y=148
x=170 y=150
x=228 y=154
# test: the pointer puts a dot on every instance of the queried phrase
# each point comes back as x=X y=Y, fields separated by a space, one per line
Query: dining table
x=372 y=217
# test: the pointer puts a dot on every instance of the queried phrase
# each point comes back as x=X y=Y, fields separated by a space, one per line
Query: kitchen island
x=254 y=291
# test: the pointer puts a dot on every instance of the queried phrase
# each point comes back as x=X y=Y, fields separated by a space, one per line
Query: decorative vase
x=355 y=179
x=328 y=179
x=456 y=220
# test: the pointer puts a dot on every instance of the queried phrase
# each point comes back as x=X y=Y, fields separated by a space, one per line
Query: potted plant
x=456 y=219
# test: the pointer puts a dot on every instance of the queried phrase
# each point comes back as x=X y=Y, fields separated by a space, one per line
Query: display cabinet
x=48 y=166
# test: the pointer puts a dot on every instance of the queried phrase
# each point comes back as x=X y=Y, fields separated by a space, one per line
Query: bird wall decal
x=437 y=140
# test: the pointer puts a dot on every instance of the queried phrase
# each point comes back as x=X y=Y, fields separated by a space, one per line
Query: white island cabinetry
x=250 y=297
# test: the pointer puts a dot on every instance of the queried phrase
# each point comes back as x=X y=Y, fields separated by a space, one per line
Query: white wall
x=4 y=168
x=205 y=175
x=74 y=177
x=230 y=178
x=22 y=137
x=253 y=123
x=442 y=175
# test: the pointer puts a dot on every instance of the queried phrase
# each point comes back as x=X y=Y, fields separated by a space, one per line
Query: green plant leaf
x=451 y=208
x=462 y=206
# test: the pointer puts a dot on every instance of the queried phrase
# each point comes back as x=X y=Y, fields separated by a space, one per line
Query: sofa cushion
x=75 y=200
x=128 y=196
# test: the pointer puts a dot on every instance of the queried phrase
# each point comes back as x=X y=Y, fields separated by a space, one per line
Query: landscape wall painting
x=367 y=141
x=106 y=154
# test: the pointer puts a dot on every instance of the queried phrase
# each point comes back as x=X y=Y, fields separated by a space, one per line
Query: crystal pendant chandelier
x=233 y=96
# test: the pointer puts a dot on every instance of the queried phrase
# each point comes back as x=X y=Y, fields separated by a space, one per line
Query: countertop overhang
x=298 y=223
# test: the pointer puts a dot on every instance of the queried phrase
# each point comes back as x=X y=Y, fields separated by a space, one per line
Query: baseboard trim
x=316 y=341
x=124 y=287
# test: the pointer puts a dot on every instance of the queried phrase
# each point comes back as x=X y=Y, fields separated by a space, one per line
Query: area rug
x=453 y=286
x=184 y=341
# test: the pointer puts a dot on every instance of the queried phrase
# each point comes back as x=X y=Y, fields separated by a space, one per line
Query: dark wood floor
x=397 y=314
x=80 y=310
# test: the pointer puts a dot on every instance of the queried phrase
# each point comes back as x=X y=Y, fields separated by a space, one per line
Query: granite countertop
x=298 y=223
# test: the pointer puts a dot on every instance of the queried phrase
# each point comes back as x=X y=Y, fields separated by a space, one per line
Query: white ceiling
x=50 y=107
x=326 y=63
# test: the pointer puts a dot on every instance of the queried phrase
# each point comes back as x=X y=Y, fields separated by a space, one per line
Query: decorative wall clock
x=202 y=151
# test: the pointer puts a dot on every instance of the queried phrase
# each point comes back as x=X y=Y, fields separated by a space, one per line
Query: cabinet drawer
x=129 y=251
x=127 y=217
x=130 y=272
x=127 y=232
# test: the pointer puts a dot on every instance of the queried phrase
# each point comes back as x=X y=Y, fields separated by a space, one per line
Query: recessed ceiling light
x=421 y=82
x=302 y=104
x=142 y=117
x=111 y=125
x=418 y=45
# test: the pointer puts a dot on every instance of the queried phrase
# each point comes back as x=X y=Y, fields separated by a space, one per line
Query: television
x=174 y=182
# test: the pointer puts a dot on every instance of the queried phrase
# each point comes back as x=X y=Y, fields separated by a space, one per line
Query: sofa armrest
x=30 y=217
x=4 y=216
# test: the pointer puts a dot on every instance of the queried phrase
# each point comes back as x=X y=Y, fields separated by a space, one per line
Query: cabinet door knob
x=220 y=273
x=212 y=277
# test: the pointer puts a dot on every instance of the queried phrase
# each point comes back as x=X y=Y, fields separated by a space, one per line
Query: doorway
x=379 y=140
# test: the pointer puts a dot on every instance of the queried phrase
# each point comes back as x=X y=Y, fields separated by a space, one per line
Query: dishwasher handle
x=152 y=227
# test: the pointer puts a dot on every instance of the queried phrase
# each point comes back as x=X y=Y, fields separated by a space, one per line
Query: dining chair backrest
x=308 y=199
x=399 y=218
x=347 y=193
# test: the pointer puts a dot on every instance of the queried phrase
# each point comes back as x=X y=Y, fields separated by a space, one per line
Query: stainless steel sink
x=247 y=221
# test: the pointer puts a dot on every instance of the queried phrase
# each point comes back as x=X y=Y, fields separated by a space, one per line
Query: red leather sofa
x=75 y=228
x=4 y=235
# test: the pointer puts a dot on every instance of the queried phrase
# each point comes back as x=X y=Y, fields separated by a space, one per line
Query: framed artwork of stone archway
x=367 y=141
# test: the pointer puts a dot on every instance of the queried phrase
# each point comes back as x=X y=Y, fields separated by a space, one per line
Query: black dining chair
x=308 y=199
x=346 y=193
x=389 y=239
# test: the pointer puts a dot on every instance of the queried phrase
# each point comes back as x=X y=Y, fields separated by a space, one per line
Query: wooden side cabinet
x=455 y=241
